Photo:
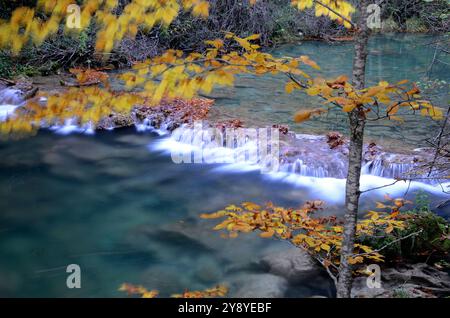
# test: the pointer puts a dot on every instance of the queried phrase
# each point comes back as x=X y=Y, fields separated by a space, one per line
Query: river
x=115 y=203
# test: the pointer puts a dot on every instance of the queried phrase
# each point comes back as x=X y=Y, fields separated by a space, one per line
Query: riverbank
x=277 y=22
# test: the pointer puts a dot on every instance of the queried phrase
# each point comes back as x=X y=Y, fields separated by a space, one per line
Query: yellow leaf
x=289 y=88
x=150 y=294
x=396 y=118
x=337 y=229
x=306 y=60
x=310 y=241
x=313 y=91
x=302 y=116
x=389 y=229
x=217 y=43
x=349 y=106
x=355 y=260
x=267 y=234
x=380 y=205
x=201 y=9
x=306 y=114
x=253 y=37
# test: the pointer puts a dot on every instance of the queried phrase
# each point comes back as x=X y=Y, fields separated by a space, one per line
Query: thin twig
x=390 y=243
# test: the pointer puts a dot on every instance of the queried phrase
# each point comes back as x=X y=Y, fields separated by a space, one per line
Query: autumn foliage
x=175 y=74
x=217 y=291
x=319 y=236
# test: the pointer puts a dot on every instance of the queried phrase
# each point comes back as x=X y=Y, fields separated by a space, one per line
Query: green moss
x=400 y=293
x=10 y=67
x=389 y=25
x=416 y=25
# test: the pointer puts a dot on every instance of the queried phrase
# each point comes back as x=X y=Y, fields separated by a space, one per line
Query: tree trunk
x=357 y=124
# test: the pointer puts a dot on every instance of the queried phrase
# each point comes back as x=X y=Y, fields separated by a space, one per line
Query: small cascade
x=317 y=169
x=304 y=161
x=10 y=100
x=382 y=168
x=11 y=96
x=71 y=126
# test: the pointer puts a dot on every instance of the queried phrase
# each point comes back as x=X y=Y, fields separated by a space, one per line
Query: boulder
x=410 y=280
x=167 y=115
x=293 y=264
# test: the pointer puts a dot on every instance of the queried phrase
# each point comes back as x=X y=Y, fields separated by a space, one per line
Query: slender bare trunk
x=357 y=124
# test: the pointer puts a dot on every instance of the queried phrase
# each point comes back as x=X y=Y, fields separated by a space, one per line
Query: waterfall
x=10 y=100
x=10 y=96
x=381 y=168
x=313 y=164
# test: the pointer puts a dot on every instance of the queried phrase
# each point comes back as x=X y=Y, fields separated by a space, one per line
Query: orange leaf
x=267 y=234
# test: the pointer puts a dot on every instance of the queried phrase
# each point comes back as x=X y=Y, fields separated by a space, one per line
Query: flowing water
x=115 y=203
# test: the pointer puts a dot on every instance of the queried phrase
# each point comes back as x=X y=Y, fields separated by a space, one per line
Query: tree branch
x=390 y=243
x=337 y=13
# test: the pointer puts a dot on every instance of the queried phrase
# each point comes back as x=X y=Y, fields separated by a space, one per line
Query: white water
x=326 y=188
x=6 y=111
x=375 y=174
x=10 y=100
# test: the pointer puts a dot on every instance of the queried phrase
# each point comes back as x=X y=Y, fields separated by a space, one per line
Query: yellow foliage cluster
x=174 y=74
x=89 y=76
x=38 y=23
x=138 y=290
x=177 y=75
x=170 y=75
x=338 y=10
x=320 y=236
x=383 y=100
x=217 y=291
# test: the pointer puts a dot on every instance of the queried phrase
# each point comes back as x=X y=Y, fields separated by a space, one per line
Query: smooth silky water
x=124 y=212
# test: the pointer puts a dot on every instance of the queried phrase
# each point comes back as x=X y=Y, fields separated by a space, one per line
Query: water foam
x=323 y=187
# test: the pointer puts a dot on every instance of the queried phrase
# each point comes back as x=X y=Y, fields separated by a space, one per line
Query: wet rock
x=310 y=155
x=25 y=88
x=231 y=123
x=293 y=264
x=411 y=280
x=283 y=129
x=372 y=150
x=10 y=97
x=116 y=120
x=326 y=156
x=335 y=139
x=258 y=286
x=167 y=115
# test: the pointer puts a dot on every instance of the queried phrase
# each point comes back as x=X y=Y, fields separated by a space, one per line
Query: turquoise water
x=126 y=213
x=262 y=100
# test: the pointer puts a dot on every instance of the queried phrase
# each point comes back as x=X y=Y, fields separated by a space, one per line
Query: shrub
x=432 y=243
